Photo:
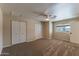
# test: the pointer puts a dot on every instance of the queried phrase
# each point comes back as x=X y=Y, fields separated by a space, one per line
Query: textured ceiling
x=65 y=10
x=61 y=10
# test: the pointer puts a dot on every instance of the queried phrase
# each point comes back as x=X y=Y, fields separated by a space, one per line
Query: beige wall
x=75 y=31
x=6 y=29
x=74 y=28
x=31 y=35
x=1 y=31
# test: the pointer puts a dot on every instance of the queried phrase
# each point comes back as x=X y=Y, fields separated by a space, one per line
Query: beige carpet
x=43 y=47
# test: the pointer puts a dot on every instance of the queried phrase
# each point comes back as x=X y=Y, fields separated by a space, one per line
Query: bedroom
x=39 y=29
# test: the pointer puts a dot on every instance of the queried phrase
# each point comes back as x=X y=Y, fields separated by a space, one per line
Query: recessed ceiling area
x=37 y=10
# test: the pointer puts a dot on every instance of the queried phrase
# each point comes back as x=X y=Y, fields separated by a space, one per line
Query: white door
x=75 y=32
x=22 y=33
x=18 y=32
x=38 y=31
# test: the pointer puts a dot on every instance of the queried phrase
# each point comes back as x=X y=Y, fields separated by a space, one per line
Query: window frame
x=63 y=28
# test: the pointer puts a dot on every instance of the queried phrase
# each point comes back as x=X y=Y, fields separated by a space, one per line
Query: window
x=67 y=28
x=63 y=28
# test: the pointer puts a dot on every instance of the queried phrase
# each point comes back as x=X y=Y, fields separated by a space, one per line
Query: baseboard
x=6 y=46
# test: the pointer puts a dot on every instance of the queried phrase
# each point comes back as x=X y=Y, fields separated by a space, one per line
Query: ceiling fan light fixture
x=46 y=19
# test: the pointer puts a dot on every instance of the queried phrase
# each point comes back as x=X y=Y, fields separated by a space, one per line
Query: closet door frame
x=11 y=28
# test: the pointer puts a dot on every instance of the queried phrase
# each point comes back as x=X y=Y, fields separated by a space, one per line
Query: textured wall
x=6 y=29
x=1 y=31
x=30 y=29
x=33 y=33
x=74 y=23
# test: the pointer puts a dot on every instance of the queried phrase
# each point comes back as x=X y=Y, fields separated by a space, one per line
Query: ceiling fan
x=47 y=16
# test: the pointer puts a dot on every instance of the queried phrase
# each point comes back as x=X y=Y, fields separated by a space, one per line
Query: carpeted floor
x=43 y=47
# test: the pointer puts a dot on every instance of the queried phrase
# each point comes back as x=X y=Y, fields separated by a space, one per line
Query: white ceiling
x=65 y=11
x=61 y=10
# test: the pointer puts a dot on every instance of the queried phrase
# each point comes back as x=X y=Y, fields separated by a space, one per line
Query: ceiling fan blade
x=44 y=15
x=40 y=13
x=53 y=16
